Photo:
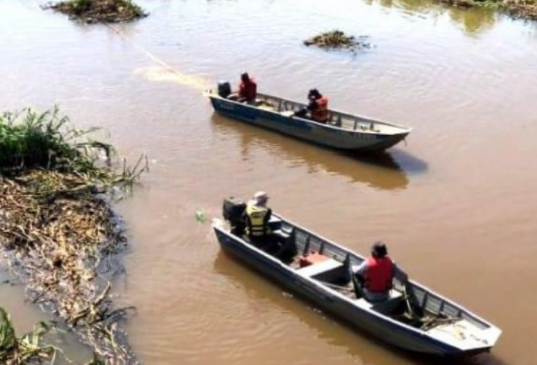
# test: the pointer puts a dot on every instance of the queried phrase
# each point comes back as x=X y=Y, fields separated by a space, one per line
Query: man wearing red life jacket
x=377 y=272
x=318 y=106
x=247 y=89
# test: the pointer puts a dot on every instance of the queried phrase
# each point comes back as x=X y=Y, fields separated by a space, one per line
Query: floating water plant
x=99 y=11
x=337 y=39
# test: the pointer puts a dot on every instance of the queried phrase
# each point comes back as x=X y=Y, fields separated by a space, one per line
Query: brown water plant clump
x=336 y=39
x=99 y=11
x=58 y=232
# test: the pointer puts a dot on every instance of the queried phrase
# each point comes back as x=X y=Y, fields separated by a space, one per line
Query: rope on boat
x=193 y=81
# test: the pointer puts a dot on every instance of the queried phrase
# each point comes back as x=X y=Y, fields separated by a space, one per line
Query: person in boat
x=376 y=274
x=247 y=90
x=257 y=216
x=317 y=107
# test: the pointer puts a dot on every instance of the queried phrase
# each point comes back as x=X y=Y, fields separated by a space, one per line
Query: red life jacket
x=321 y=113
x=248 y=90
x=379 y=275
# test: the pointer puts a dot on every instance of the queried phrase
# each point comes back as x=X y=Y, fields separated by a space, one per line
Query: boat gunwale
x=379 y=316
x=404 y=129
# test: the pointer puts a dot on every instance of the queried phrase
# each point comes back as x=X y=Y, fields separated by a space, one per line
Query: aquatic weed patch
x=58 y=232
x=336 y=39
x=99 y=11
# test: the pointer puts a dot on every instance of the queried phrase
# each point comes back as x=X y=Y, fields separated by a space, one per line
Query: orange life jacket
x=379 y=275
x=321 y=113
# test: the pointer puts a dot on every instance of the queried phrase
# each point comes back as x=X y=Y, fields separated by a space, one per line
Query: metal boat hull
x=326 y=135
x=364 y=320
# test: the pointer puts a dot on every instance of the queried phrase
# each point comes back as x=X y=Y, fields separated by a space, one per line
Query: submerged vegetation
x=336 y=39
x=99 y=11
x=57 y=229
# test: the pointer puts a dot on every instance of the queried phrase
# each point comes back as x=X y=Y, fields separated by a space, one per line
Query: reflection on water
x=262 y=289
x=473 y=20
x=379 y=171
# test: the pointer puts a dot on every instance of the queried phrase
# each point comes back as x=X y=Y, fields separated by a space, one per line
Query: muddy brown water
x=456 y=204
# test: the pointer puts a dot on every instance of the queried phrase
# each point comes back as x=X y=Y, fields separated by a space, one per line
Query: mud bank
x=58 y=231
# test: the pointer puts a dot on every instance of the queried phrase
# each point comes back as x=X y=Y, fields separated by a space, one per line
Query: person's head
x=379 y=250
x=261 y=198
x=314 y=94
x=245 y=77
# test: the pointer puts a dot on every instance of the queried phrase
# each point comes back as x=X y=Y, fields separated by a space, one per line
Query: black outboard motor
x=224 y=89
x=233 y=212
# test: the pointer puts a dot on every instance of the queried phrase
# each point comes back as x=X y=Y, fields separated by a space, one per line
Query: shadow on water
x=386 y=170
x=336 y=333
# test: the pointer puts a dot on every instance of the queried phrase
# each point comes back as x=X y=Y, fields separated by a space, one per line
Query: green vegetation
x=337 y=39
x=57 y=229
x=100 y=11
x=27 y=349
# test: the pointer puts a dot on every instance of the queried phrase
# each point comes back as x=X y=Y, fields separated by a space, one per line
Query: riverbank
x=58 y=231
x=524 y=9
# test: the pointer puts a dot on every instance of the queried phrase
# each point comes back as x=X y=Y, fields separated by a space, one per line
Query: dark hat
x=245 y=76
x=379 y=249
x=315 y=93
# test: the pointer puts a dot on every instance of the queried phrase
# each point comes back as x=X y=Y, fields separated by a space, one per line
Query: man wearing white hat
x=257 y=218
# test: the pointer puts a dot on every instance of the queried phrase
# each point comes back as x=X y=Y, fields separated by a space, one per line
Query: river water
x=456 y=204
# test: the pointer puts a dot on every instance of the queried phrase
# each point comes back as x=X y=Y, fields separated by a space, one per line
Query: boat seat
x=288 y=113
x=324 y=270
x=384 y=306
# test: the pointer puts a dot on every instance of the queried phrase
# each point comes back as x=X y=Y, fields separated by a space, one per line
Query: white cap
x=261 y=196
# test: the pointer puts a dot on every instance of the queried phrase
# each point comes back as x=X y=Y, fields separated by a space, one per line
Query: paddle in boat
x=414 y=317
x=342 y=131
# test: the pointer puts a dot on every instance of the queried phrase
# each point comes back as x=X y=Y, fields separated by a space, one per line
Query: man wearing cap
x=257 y=218
x=377 y=272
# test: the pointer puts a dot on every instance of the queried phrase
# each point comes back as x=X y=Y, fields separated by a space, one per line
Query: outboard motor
x=233 y=212
x=224 y=89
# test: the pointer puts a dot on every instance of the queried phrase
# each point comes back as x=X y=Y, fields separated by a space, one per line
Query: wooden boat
x=414 y=318
x=343 y=131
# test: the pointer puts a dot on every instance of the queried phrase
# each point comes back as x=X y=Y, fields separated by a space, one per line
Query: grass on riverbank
x=30 y=348
x=99 y=11
x=57 y=231
x=26 y=349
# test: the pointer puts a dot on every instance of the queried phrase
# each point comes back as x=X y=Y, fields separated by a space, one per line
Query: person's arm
x=313 y=105
x=267 y=219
